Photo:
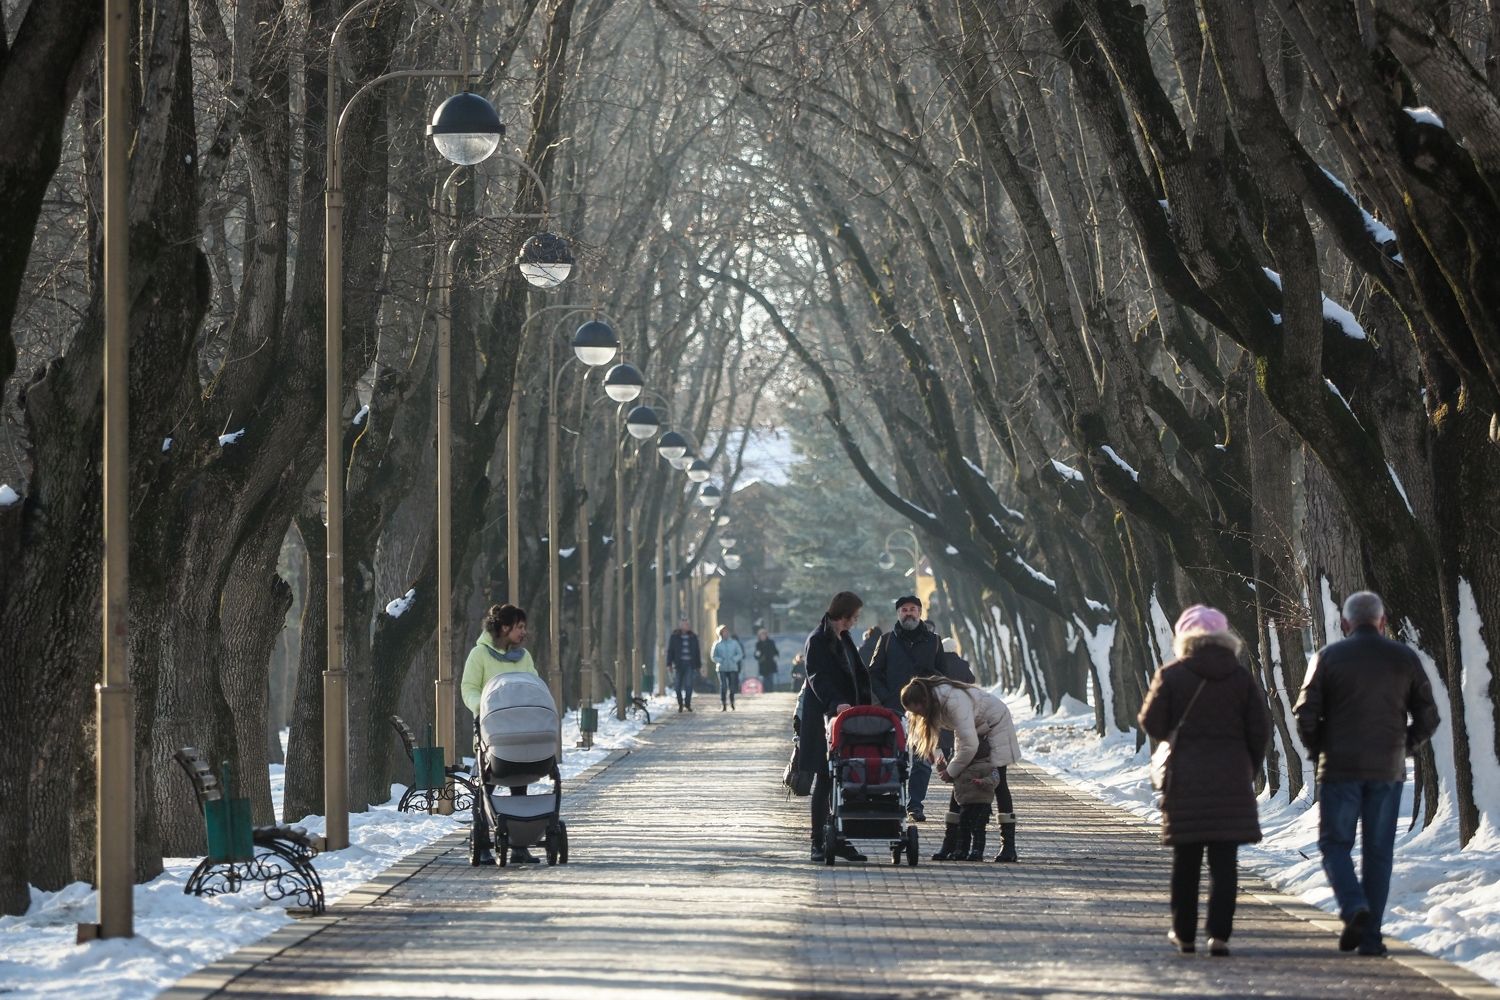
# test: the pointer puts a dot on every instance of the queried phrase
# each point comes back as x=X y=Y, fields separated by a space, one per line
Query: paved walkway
x=690 y=879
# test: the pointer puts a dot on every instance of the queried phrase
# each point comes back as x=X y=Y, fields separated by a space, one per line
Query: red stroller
x=868 y=762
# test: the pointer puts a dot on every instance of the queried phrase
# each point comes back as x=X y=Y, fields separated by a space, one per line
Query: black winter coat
x=765 y=654
x=901 y=655
x=835 y=676
x=1353 y=708
x=1219 y=749
x=683 y=650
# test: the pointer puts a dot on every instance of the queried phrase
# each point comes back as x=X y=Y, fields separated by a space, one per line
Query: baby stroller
x=516 y=745
x=867 y=759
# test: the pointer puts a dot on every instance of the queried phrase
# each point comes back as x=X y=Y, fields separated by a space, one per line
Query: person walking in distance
x=953 y=665
x=836 y=680
x=867 y=644
x=728 y=654
x=686 y=658
x=1213 y=713
x=765 y=657
x=1353 y=716
x=910 y=649
x=500 y=649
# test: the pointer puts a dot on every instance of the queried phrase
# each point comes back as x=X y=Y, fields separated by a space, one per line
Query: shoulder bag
x=1161 y=758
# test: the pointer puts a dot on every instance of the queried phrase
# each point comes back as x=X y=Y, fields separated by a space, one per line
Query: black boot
x=1007 y=838
x=961 y=843
x=950 y=839
x=976 y=845
x=521 y=856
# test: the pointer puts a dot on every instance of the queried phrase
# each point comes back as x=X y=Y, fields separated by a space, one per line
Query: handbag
x=797 y=782
x=1161 y=757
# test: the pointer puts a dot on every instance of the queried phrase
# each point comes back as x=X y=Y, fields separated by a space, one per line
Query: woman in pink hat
x=1213 y=713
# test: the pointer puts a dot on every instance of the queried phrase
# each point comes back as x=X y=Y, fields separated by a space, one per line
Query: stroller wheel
x=830 y=844
x=502 y=851
x=911 y=846
x=550 y=846
x=562 y=843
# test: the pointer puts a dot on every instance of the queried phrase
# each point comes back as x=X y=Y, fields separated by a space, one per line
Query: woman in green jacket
x=500 y=649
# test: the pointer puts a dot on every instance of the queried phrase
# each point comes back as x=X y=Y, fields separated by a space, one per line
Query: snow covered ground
x=1444 y=900
x=176 y=933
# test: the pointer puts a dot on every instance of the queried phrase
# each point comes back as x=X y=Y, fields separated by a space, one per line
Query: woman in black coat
x=1222 y=725
x=836 y=679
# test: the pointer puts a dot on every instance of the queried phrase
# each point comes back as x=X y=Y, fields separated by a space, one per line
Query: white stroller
x=516 y=744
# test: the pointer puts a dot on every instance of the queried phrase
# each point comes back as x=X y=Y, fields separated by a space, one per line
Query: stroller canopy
x=518 y=719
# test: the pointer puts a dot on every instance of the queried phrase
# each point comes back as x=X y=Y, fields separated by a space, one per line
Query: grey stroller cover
x=518 y=729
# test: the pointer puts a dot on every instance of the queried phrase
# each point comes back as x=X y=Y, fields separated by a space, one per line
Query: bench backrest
x=205 y=785
x=408 y=738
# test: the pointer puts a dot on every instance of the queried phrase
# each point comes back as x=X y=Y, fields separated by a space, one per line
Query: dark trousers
x=822 y=794
x=685 y=685
x=1003 y=801
x=1373 y=806
x=729 y=683
x=768 y=683
x=1223 y=883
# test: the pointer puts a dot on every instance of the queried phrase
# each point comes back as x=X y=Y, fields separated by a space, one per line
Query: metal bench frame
x=280 y=859
x=459 y=789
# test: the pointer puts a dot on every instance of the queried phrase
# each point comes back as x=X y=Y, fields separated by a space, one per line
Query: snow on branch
x=1332 y=311
x=1114 y=457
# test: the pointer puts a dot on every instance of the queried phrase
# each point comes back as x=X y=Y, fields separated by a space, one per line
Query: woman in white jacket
x=728 y=655
x=982 y=727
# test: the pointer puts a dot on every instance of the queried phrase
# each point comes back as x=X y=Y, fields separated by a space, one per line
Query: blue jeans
x=916 y=784
x=1373 y=805
x=685 y=685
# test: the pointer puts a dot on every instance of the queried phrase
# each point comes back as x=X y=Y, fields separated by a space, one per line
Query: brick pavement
x=690 y=879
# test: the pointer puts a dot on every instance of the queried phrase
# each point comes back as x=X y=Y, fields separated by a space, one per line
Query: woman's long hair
x=924 y=711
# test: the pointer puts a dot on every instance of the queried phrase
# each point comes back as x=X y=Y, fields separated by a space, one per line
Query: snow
x=177 y=934
x=231 y=437
x=1332 y=613
x=1424 y=116
x=1161 y=628
x=402 y=604
x=974 y=467
x=1036 y=574
x=1067 y=471
x=1379 y=231
x=950 y=550
x=566 y=553
x=1010 y=512
x=1335 y=390
x=1114 y=457
x=1096 y=605
x=166 y=445
x=1098 y=643
x=1443 y=900
x=1400 y=489
x=8 y=496
x=1475 y=669
x=364 y=411
x=1332 y=311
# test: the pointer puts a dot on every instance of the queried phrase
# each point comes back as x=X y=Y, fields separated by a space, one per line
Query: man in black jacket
x=836 y=680
x=686 y=659
x=1352 y=715
x=911 y=649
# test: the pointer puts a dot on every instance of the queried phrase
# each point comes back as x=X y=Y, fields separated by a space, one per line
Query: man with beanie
x=1352 y=715
x=911 y=649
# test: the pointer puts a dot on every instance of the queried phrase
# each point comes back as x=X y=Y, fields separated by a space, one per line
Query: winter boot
x=962 y=842
x=1007 y=838
x=976 y=845
x=950 y=839
x=975 y=818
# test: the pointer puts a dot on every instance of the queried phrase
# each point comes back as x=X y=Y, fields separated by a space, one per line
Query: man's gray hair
x=1363 y=608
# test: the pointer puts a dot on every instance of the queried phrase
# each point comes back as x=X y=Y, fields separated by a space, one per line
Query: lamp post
x=624 y=383
x=887 y=560
x=466 y=130
x=114 y=747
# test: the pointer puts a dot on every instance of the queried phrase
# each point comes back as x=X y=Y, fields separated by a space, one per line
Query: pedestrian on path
x=867 y=644
x=765 y=656
x=1212 y=712
x=686 y=660
x=836 y=680
x=500 y=649
x=910 y=649
x=1352 y=715
x=982 y=728
x=953 y=665
x=728 y=654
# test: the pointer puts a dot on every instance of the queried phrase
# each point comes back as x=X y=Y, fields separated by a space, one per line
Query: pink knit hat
x=1201 y=618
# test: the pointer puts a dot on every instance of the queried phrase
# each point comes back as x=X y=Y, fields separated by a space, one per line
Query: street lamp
x=726 y=542
x=731 y=561
x=641 y=422
x=545 y=261
x=595 y=343
x=623 y=383
x=886 y=561
x=698 y=471
x=722 y=521
x=710 y=496
x=465 y=130
x=672 y=446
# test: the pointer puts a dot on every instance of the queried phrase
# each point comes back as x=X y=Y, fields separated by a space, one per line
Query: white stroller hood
x=518 y=720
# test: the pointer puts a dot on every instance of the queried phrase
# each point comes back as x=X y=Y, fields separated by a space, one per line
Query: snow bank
x=1443 y=900
x=177 y=934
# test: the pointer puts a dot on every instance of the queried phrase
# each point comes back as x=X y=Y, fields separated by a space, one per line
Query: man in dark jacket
x=686 y=659
x=836 y=680
x=911 y=649
x=1352 y=715
x=765 y=655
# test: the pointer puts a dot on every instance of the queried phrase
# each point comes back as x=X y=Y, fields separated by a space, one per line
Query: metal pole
x=585 y=610
x=335 y=680
x=672 y=595
x=513 y=497
x=443 y=713
x=114 y=753
x=554 y=568
x=635 y=603
x=659 y=610
x=622 y=669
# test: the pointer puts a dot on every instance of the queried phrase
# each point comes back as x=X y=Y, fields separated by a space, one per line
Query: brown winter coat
x=1211 y=795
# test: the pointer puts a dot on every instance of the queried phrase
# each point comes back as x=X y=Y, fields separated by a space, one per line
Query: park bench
x=279 y=857
x=428 y=786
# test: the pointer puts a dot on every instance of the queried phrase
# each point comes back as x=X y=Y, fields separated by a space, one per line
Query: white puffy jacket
x=972 y=713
